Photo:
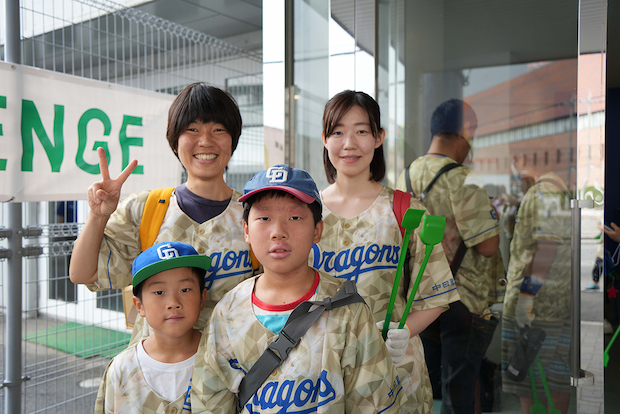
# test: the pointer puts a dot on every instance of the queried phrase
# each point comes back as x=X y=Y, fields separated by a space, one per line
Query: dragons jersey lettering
x=385 y=256
x=293 y=394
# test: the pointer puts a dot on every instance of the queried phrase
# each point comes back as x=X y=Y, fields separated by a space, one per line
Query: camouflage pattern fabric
x=340 y=366
x=544 y=214
x=459 y=195
x=366 y=249
x=493 y=267
x=221 y=238
x=124 y=390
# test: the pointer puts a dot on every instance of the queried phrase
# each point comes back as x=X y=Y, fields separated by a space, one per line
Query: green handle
x=427 y=254
x=606 y=353
x=399 y=271
x=544 y=381
x=411 y=220
x=430 y=234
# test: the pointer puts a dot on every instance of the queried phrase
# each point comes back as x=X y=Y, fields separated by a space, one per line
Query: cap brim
x=299 y=194
x=199 y=261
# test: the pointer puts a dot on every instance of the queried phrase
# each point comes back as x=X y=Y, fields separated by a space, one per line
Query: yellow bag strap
x=153 y=215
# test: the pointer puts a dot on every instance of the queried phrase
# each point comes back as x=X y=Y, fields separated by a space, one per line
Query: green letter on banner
x=32 y=121
x=82 y=137
x=2 y=160
x=126 y=141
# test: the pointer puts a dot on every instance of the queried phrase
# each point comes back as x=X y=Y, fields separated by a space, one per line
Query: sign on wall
x=51 y=125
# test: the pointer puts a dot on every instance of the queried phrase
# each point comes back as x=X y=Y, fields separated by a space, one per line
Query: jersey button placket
x=173 y=410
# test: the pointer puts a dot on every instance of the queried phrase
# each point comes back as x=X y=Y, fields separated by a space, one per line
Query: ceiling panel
x=218 y=18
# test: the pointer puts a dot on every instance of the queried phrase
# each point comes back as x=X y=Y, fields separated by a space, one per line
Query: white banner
x=51 y=125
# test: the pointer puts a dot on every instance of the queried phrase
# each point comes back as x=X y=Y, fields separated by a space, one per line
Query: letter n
x=31 y=121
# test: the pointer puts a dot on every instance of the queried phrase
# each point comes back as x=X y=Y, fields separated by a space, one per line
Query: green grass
x=82 y=340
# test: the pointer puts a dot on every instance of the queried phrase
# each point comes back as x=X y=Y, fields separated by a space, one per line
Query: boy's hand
x=103 y=195
x=397 y=340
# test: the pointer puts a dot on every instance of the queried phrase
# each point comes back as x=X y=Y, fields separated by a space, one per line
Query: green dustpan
x=411 y=221
x=431 y=234
x=538 y=407
x=606 y=353
x=547 y=392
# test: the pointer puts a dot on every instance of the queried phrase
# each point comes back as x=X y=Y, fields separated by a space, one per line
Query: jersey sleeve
x=105 y=393
x=437 y=287
x=371 y=383
x=473 y=213
x=120 y=244
x=211 y=392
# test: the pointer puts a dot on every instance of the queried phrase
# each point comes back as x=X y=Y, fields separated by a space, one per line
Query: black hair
x=204 y=103
x=198 y=272
x=315 y=207
x=448 y=118
x=335 y=109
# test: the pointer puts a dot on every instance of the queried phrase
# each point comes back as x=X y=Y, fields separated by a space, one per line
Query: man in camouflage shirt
x=539 y=278
x=459 y=195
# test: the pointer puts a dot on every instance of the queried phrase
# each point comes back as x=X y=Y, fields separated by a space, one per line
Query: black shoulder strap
x=296 y=326
x=408 y=180
x=458 y=258
x=443 y=169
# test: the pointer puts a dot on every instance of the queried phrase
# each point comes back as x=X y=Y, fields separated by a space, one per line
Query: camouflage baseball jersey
x=124 y=390
x=221 y=238
x=366 y=249
x=459 y=195
x=340 y=366
x=544 y=214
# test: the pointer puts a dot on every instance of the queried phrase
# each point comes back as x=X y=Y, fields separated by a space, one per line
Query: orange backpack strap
x=153 y=215
x=400 y=205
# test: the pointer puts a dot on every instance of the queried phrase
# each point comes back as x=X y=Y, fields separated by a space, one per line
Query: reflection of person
x=153 y=375
x=538 y=290
x=362 y=237
x=597 y=269
x=614 y=233
x=460 y=196
x=204 y=125
x=340 y=364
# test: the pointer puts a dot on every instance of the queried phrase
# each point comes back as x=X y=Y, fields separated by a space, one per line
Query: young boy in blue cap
x=339 y=365
x=154 y=375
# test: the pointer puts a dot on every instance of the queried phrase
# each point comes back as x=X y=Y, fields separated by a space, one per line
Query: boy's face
x=281 y=232
x=171 y=301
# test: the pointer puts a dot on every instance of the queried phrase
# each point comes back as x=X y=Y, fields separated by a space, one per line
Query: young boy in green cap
x=154 y=375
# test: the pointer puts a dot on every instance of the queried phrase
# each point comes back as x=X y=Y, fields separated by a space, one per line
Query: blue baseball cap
x=166 y=256
x=286 y=178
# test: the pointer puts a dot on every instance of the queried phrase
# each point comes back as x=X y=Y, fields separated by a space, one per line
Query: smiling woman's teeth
x=205 y=157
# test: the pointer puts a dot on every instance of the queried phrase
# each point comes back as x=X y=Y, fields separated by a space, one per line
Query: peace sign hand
x=103 y=195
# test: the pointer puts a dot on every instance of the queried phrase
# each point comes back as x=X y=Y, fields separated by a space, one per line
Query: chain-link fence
x=69 y=333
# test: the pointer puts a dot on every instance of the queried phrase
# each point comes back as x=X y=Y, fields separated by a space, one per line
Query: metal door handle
x=579 y=377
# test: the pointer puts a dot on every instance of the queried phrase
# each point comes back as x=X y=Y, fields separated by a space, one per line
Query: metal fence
x=69 y=334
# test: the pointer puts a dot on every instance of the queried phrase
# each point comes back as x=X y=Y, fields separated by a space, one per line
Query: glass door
x=533 y=74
